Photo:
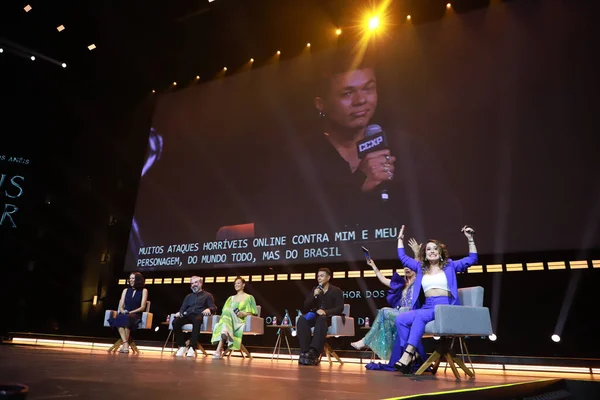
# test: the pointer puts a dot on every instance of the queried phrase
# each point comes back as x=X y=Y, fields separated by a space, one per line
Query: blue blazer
x=452 y=267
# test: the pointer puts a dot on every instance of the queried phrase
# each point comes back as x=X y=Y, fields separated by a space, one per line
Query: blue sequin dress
x=383 y=331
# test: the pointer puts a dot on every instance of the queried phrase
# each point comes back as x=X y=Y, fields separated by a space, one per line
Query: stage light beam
x=448 y=6
x=64 y=65
x=278 y=52
x=32 y=58
x=555 y=338
x=338 y=31
x=1 y=50
x=408 y=17
x=493 y=337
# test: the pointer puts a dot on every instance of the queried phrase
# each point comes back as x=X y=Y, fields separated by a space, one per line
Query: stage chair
x=337 y=329
x=208 y=323
x=455 y=323
x=255 y=325
x=145 y=323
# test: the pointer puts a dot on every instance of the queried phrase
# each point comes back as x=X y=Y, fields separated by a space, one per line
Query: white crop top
x=437 y=281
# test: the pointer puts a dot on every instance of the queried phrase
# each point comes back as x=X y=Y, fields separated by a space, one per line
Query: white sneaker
x=180 y=352
x=191 y=353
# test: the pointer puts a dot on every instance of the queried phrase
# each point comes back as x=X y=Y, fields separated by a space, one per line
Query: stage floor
x=86 y=374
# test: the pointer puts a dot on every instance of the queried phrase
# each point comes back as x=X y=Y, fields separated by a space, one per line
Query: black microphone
x=374 y=140
x=320 y=288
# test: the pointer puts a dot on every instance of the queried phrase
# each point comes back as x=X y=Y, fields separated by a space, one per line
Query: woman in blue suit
x=436 y=275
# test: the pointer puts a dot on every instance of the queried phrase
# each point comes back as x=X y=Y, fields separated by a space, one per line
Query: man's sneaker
x=180 y=352
x=191 y=352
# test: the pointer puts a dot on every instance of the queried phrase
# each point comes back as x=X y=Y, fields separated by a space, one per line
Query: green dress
x=233 y=324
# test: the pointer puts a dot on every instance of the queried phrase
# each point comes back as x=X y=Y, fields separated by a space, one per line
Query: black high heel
x=407 y=369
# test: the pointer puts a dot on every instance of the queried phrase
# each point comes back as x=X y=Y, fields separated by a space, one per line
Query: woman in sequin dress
x=382 y=335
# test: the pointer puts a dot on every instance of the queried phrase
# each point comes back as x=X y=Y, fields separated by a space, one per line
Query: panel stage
x=95 y=374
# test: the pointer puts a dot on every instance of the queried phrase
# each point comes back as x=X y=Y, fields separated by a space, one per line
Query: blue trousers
x=411 y=324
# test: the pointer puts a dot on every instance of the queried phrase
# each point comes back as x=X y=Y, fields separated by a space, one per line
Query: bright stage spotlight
x=493 y=337
x=555 y=338
x=373 y=23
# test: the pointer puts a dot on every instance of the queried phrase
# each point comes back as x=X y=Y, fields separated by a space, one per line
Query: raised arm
x=404 y=259
x=464 y=263
x=378 y=274
x=469 y=233
x=416 y=248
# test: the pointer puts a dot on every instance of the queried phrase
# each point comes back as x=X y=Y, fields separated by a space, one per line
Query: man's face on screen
x=352 y=99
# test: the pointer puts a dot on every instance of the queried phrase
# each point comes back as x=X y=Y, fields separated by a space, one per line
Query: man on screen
x=346 y=101
x=330 y=182
x=335 y=186
x=195 y=306
x=324 y=301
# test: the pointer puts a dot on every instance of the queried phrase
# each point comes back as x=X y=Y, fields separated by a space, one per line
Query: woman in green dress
x=229 y=330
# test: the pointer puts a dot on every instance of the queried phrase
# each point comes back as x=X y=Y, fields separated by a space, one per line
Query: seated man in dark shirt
x=195 y=306
x=324 y=301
